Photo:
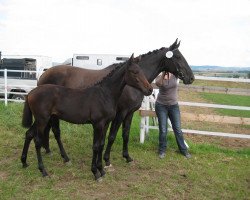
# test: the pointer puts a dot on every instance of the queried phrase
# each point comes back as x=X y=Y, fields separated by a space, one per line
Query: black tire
x=18 y=97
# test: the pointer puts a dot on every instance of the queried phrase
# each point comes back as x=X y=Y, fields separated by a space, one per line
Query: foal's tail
x=27 y=115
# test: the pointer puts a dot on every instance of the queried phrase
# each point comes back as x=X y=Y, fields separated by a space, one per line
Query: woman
x=167 y=106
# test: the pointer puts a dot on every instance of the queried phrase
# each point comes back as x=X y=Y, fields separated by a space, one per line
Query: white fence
x=147 y=110
x=22 y=87
x=14 y=89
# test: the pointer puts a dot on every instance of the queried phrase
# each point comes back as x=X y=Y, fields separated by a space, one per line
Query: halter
x=170 y=55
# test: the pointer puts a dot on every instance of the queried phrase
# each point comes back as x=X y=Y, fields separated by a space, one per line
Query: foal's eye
x=135 y=72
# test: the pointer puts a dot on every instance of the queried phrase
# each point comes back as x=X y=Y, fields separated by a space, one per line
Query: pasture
x=215 y=171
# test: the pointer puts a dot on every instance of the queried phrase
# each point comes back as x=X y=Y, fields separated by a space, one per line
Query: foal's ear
x=131 y=59
x=175 y=45
x=137 y=59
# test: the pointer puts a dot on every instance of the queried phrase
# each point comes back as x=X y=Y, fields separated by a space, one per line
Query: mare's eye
x=177 y=56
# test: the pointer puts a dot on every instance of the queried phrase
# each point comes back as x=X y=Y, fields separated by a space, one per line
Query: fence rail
x=147 y=110
x=11 y=87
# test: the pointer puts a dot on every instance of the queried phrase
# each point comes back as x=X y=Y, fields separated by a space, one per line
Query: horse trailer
x=95 y=61
x=20 y=73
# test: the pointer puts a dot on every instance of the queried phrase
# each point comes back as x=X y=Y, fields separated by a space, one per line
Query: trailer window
x=122 y=58
x=99 y=61
x=82 y=57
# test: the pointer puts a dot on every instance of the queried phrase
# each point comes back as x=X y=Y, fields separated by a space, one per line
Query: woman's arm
x=159 y=79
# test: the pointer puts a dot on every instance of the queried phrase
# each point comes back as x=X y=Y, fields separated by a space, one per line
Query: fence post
x=5 y=87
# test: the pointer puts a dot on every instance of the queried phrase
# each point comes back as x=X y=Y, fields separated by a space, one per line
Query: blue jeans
x=173 y=112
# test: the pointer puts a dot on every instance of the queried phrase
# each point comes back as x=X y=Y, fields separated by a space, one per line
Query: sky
x=212 y=32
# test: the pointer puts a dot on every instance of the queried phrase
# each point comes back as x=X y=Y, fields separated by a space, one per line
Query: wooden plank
x=215 y=118
x=210 y=89
x=220 y=90
x=203 y=117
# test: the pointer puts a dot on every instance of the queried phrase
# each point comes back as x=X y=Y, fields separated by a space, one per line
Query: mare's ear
x=137 y=59
x=131 y=59
x=175 y=45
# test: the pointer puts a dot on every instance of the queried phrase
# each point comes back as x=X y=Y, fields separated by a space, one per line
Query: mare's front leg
x=125 y=135
x=57 y=133
x=116 y=123
x=28 y=137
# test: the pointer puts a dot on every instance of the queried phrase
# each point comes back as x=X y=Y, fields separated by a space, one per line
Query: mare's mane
x=119 y=65
x=153 y=52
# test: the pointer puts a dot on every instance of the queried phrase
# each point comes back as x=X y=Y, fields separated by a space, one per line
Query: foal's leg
x=38 y=144
x=102 y=136
x=29 y=136
x=116 y=123
x=125 y=135
x=46 y=138
x=56 y=130
x=95 y=154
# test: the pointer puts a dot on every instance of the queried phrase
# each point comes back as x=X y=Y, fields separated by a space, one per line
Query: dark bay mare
x=151 y=63
x=95 y=105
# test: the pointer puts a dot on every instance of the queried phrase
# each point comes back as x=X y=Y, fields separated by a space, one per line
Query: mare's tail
x=27 y=114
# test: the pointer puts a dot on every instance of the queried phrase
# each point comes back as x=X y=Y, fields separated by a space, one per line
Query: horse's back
x=72 y=77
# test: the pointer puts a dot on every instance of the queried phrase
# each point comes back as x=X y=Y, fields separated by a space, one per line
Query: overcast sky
x=212 y=32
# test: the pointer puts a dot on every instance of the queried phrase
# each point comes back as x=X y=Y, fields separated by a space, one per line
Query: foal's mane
x=117 y=66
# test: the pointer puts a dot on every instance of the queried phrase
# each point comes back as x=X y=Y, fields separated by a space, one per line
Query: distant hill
x=219 y=68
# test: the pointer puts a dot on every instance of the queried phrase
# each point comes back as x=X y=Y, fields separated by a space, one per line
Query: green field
x=213 y=172
x=229 y=99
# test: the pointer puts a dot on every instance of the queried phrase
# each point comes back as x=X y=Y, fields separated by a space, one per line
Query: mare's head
x=135 y=77
x=175 y=63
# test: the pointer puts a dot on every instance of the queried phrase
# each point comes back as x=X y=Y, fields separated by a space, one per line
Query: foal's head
x=135 y=77
x=175 y=63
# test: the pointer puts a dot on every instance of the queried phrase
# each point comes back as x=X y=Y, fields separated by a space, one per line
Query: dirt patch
x=234 y=143
x=3 y=176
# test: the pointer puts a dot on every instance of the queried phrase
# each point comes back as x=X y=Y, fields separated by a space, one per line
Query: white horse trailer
x=41 y=63
x=19 y=74
x=95 y=61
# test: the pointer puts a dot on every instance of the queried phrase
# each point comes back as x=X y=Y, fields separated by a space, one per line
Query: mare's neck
x=150 y=64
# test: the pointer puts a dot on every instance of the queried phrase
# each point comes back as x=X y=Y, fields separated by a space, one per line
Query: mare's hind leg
x=125 y=135
x=116 y=123
x=56 y=130
x=28 y=137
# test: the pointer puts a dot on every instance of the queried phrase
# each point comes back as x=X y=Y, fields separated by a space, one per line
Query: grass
x=229 y=99
x=212 y=173
x=225 y=84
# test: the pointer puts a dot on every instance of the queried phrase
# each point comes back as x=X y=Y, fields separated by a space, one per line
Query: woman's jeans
x=173 y=112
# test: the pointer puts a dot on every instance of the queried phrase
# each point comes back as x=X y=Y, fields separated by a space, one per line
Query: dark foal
x=95 y=105
x=151 y=63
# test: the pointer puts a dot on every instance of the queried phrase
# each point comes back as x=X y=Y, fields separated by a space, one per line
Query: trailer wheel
x=18 y=97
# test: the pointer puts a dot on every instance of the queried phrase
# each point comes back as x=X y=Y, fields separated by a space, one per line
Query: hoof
x=25 y=165
x=68 y=163
x=109 y=168
x=45 y=174
x=103 y=173
x=99 y=180
x=129 y=160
